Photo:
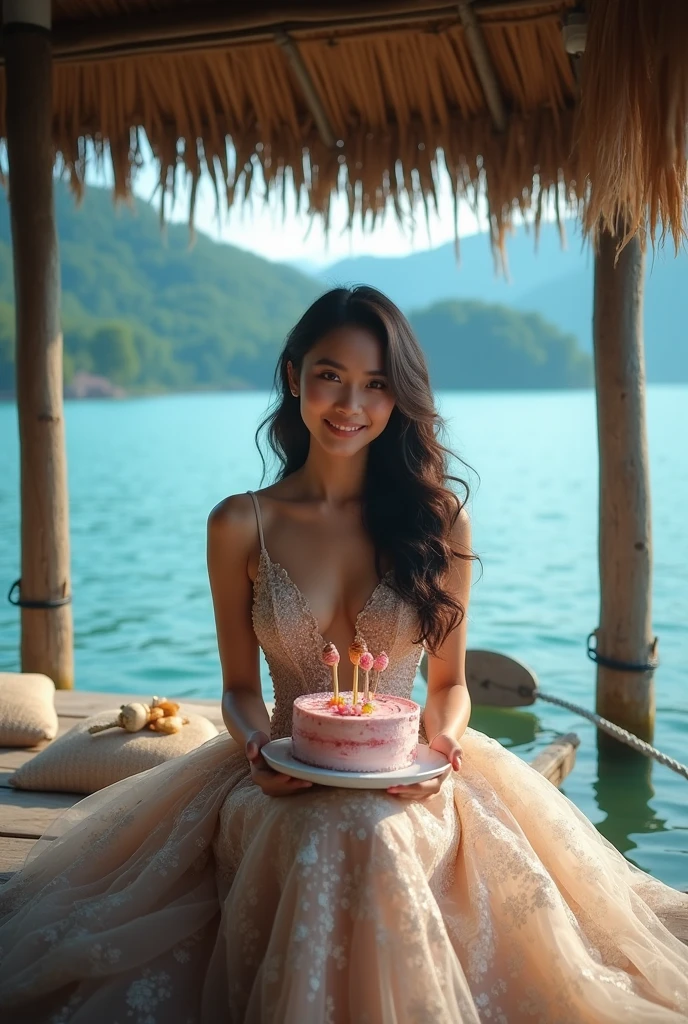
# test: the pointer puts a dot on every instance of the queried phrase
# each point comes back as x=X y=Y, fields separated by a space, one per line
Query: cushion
x=80 y=762
x=27 y=709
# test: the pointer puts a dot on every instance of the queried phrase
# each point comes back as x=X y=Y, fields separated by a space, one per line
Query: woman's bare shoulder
x=233 y=519
x=461 y=530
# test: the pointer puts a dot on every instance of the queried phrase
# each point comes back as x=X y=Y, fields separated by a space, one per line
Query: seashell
x=132 y=717
x=170 y=707
x=169 y=724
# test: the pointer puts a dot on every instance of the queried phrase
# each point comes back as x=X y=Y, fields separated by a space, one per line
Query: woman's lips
x=341 y=430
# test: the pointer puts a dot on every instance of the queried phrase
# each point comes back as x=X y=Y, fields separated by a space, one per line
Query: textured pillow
x=27 y=709
x=79 y=762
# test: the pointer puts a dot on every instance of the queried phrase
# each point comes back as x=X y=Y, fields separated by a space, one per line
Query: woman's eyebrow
x=340 y=366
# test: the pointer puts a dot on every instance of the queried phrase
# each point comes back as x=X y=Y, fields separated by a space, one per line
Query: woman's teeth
x=344 y=430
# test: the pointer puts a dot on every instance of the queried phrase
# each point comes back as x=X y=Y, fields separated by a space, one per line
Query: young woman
x=213 y=889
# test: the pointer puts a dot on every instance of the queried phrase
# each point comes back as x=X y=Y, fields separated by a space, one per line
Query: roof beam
x=202 y=27
x=303 y=75
x=475 y=40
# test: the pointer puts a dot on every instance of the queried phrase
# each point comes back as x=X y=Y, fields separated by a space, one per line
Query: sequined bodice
x=288 y=634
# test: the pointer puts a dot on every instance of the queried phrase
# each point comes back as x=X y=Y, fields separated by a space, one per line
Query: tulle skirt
x=185 y=895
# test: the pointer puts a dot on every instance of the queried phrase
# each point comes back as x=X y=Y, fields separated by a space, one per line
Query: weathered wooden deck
x=25 y=816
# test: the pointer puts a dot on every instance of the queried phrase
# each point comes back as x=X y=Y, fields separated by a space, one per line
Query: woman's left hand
x=451 y=749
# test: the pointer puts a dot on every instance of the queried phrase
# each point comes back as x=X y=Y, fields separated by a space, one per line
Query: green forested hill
x=207 y=316
x=148 y=311
x=475 y=345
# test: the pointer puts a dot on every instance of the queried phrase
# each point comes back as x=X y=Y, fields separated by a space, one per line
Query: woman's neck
x=325 y=477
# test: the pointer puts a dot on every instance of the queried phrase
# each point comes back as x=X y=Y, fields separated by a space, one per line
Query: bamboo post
x=625 y=545
x=475 y=40
x=303 y=76
x=46 y=632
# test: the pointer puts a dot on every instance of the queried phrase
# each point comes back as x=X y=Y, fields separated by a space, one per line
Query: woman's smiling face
x=343 y=389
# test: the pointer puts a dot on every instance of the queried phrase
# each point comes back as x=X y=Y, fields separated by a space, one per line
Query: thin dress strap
x=259 y=520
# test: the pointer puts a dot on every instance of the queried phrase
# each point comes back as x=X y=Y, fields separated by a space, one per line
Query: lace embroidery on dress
x=186 y=896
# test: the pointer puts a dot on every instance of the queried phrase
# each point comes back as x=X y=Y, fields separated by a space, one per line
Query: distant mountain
x=554 y=282
x=434 y=275
x=146 y=310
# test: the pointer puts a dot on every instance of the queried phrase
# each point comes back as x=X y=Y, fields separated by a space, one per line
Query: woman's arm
x=448 y=704
x=231 y=539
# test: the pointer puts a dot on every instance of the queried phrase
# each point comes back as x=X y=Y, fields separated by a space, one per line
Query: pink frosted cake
x=337 y=736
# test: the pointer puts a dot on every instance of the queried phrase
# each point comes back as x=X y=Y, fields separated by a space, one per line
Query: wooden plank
x=557 y=760
x=13 y=852
x=83 y=704
x=27 y=815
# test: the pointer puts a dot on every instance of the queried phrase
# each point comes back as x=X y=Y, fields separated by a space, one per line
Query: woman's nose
x=348 y=399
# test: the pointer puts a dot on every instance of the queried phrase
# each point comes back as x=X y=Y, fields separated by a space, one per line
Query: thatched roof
x=378 y=98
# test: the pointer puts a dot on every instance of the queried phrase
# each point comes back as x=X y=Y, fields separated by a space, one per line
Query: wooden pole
x=46 y=633
x=475 y=40
x=303 y=77
x=625 y=542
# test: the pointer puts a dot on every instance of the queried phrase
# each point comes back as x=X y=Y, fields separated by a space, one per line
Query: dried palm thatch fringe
x=406 y=107
x=631 y=133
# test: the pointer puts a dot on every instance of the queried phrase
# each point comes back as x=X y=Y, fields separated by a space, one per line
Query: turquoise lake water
x=144 y=473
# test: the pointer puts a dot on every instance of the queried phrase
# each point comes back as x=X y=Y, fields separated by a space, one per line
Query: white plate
x=428 y=764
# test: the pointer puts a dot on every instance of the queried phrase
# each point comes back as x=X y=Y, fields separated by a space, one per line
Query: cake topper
x=330 y=657
x=365 y=664
x=379 y=665
x=356 y=650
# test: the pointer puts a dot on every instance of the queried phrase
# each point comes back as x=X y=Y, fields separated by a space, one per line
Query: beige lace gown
x=186 y=895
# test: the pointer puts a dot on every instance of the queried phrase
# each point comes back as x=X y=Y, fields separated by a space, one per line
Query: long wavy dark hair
x=408 y=507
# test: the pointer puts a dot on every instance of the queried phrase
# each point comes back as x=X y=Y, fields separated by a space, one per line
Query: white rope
x=623 y=735
x=618 y=733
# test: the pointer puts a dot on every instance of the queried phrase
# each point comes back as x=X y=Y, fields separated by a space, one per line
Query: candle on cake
x=330 y=657
x=365 y=664
x=379 y=665
x=356 y=650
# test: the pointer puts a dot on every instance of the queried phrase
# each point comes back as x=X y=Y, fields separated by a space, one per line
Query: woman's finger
x=292 y=780
x=283 y=785
x=456 y=758
x=417 y=789
x=277 y=783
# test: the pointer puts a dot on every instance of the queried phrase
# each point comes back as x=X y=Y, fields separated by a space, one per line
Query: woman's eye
x=329 y=375
x=378 y=385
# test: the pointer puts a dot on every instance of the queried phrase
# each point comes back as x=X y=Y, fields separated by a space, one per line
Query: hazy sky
x=264 y=230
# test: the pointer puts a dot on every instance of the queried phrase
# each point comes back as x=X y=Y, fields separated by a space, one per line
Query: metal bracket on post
x=623 y=666
x=14 y=597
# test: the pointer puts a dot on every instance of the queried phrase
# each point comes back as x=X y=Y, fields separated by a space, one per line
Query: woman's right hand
x=271 y=782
